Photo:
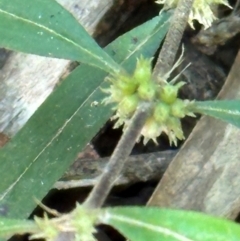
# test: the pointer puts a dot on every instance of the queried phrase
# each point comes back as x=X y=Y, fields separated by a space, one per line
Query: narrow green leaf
x=45 y=28
x=40 y=153
x=9 y=227
x=226 y=110
x=148 y=223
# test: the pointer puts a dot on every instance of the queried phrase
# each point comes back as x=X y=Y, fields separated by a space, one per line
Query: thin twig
x=118 y=158
x=170 y=46
x=138 y=168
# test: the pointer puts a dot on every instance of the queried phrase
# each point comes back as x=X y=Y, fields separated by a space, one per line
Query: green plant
x=147 y=104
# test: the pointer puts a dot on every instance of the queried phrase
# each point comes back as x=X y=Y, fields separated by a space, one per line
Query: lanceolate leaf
x=9 y=227
x=45 y=28
x=151 y=224
x=41 y=152
x=226 y=110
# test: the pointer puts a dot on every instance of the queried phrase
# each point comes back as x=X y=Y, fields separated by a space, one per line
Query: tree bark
x=204 y=175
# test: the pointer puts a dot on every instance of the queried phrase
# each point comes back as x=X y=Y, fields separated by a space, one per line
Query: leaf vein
x=162 y=230
x=58 y=35
x=233 y=112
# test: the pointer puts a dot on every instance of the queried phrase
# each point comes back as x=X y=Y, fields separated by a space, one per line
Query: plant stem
x=170 y=46
x=118 y=158
x=122 y=151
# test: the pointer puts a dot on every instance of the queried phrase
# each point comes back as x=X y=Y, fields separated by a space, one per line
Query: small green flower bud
x=83 y=222
x=173 y=129
x=168 y=93
x=126 y=84
x=143 y=71
x=127 y=106
x=178 y=108
x=161 y=112
x=151 y=130
x=174 y=124
x=147 y=90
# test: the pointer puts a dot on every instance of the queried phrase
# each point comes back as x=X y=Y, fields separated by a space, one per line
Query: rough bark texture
x=204 y=175
x=27 y=80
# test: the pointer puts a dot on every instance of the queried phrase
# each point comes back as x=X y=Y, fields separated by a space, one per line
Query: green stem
x=118 y=158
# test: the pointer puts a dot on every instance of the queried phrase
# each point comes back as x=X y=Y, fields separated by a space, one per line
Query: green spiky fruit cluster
x=80 y=222
x=128 y=91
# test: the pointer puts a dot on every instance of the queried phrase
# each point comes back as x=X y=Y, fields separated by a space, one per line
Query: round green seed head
x=168 y=93
x=161 y=112
x=178 y=108
x=147 y=91
x=127 y=85
x=175 y=125
x=143 y=71
x=127 y=106
x=151 y=130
